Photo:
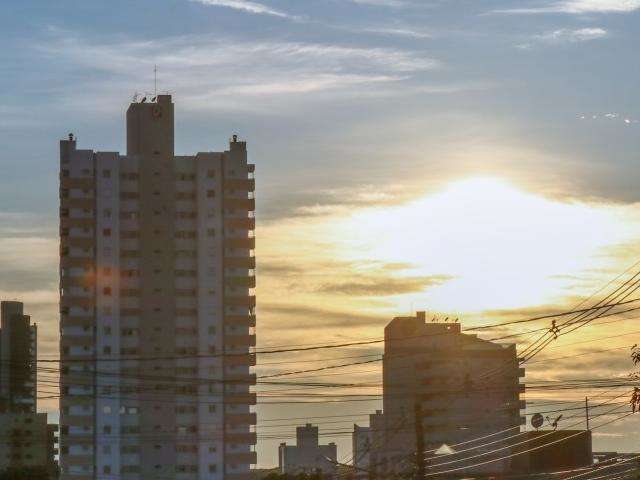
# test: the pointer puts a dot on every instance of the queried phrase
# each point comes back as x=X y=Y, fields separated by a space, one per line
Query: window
x=106 y=290
x=211 y=232
x=211 y=193
x=106 y=350
x=211 y=173
x=106 y=469
x=106 y=173
x=106 y=429
x=106 y=409
x=212 y=330
x=212 y=408
x=213 y=468
x=106 y=271
x=106 y=232
x=106 y=212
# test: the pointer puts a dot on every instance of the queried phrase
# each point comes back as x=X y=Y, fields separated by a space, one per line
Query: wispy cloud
x=237 y=72
x=247 y=6
x=578 y=7
x=565 y=35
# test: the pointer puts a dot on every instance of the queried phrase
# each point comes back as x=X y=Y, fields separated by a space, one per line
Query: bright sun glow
x=500 y=246
x=503 y=247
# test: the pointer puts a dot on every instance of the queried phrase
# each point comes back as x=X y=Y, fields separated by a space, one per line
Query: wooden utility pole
x=421 y=472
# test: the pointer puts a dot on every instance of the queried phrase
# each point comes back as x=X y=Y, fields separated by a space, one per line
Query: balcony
x=85 y=183
x=239 y=341
x=240 y=223
x=81 y=242
x=248 y=185
x=241 y=438
x=248 y=281
x=240 y=359
x=240 y=320
x=246 y=242
x=240 y=203
x=240 y=301
x=240 y=378
x=240 y=418
x=240 y=398
x=72 y=301
x=239 y=459
x=240 y=262
x=86 y=222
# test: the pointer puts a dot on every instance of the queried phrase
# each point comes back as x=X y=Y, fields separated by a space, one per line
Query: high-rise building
x=443 y=387
x=157 y=307
x=367 y=445
x=28 y=443
x=18 y=353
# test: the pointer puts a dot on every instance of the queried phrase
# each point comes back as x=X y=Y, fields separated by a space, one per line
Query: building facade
x=157 y=307
x=28 y=443
x=445 y=387
x=368 y=445
x=308 y=456
x=18 y=354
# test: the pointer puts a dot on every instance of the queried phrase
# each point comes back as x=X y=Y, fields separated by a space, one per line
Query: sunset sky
x=477 y=159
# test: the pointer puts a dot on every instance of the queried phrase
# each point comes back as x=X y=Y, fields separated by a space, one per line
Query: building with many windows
x=443 y=387
x=157 y=307
x=18 y=354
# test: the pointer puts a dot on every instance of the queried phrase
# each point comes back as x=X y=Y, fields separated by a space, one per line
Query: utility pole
x=420 y=461
x=586 y=410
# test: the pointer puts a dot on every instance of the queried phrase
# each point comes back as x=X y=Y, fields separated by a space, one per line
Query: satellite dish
x=537 y=420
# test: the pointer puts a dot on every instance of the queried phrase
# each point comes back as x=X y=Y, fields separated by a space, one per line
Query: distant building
x=450 y=386
x=27 y=442
x=308 y=456
x=18 y=353
x=157 y=275
x=548 y=451
x=367 y=443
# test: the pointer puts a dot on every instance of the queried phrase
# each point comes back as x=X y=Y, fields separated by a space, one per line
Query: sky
x=476 y=159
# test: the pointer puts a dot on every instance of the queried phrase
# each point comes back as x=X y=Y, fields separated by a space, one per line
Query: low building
x=546 y=451
x=308 y=456
x=29 y=442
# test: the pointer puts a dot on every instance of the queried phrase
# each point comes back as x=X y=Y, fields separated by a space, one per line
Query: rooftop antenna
x=155 y=80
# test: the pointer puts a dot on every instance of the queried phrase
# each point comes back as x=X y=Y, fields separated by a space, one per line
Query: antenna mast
x=155 y=80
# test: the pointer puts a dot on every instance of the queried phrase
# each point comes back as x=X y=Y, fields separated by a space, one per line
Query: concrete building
x=308 y=456
x=28 y=442
x=157 y=307
x=445 y=387
x=18 y=353
x=368 y=444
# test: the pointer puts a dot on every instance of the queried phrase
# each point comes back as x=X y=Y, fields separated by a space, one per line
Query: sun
x=501 y=246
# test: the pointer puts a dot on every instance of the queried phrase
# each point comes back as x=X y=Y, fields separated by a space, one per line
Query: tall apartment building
x=18 y=353
x=455 y=387
x=27 y=442
x=157 y=307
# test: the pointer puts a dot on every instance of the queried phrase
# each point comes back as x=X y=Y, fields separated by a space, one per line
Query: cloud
x=579 y=7
x=246 y=6
x=572 y=36
x=320 y=318
x=240 y=74
x=383 y=286
x=381 y=3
